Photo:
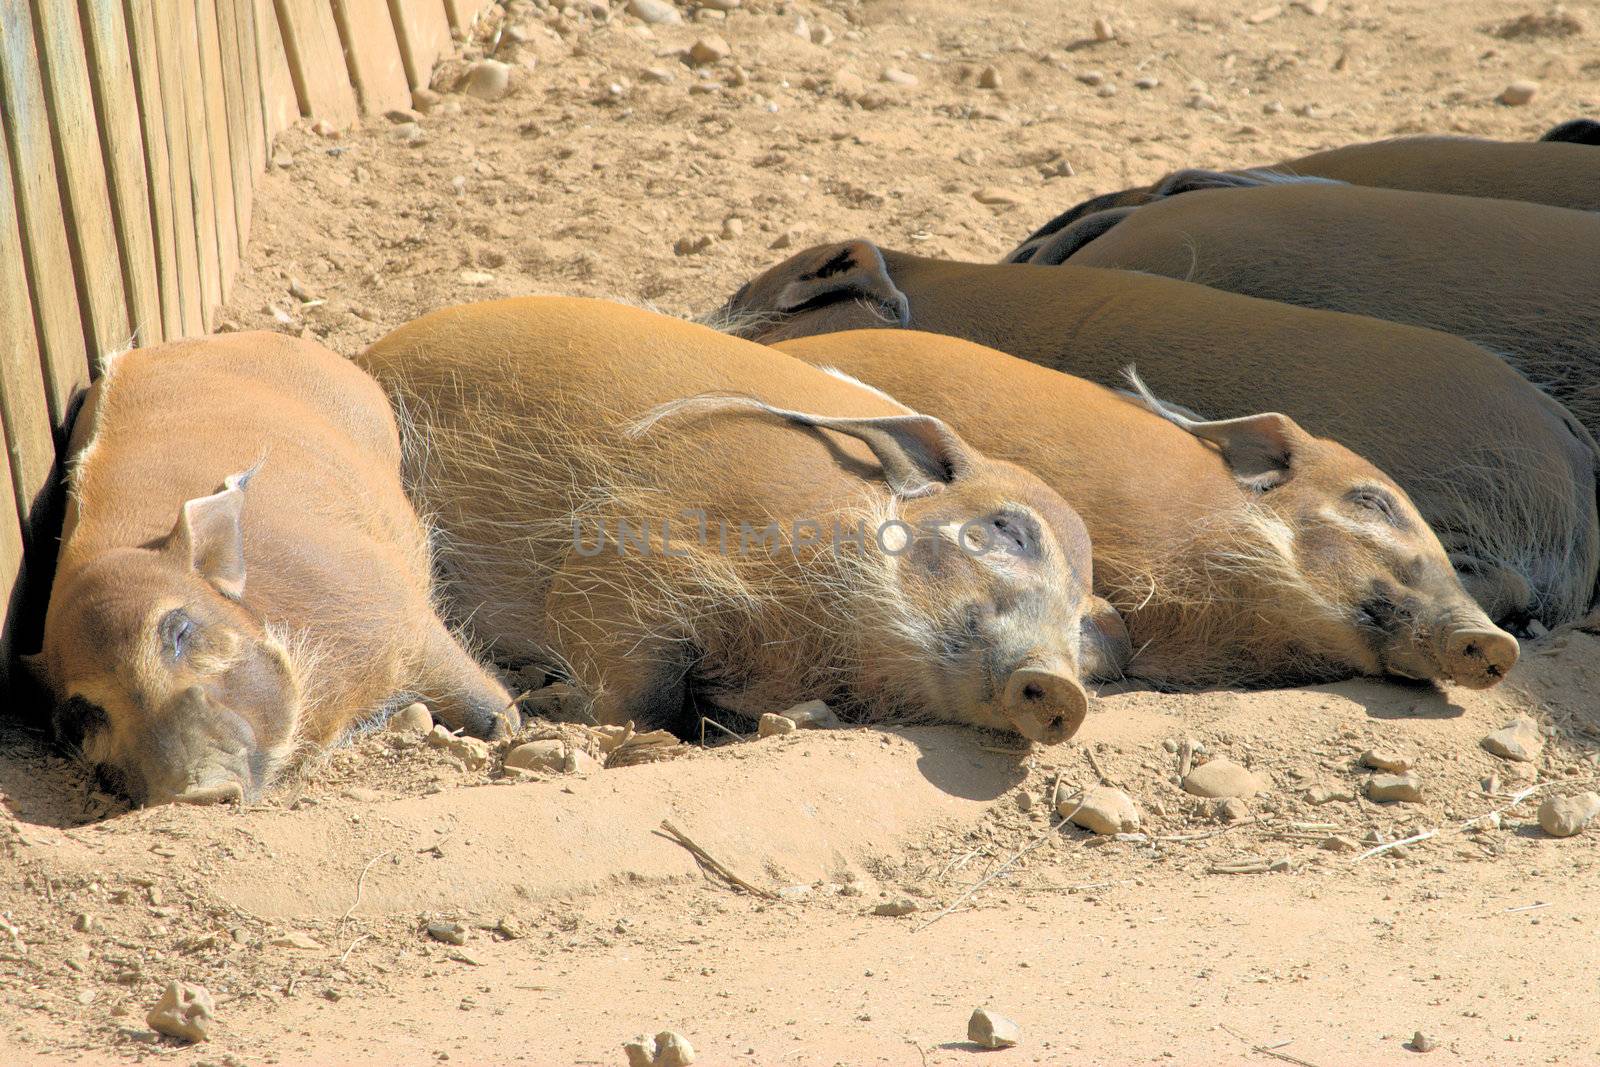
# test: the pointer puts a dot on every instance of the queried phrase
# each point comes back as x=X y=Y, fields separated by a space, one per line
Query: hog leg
x=609 y=625
x=461 y=693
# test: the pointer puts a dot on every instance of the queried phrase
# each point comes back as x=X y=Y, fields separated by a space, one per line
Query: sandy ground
x=306 y=916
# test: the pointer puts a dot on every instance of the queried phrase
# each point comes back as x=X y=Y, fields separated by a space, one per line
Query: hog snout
x=201 y=754
x=1478 y=657
x=1044 y=705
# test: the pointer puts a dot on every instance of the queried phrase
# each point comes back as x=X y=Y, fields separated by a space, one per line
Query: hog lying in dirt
x=1517 y=279
x=1238 y=552
x=1502 y=473
x=1561 y=169
x=659 y=512
x=241 y=571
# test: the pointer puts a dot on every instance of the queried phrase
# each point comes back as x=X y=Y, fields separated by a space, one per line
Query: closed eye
x=1378 y=502
x=177 y=630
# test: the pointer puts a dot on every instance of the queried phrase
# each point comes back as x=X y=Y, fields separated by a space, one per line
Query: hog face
x=164 y=682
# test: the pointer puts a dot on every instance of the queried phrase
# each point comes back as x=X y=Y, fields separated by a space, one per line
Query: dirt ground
x=615 y=169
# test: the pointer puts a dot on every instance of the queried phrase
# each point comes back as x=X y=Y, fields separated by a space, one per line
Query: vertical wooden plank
x=177 y=17
x=280 y=106
x=11 y=582
x=316 y=61
x=238 y=126
x=250 y=84
x=148 y=99
x=122 y=146
x=58 y=320
x=90 y=232
x=159 y=19
x=24 y=405
x=423 y=30
x=372 y=54
x=463 y=13
x=213 y=93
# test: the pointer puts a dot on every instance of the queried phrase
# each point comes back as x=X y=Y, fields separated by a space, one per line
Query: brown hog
x=1502 y=473
x=240 y=571
x=1238 y=552
x=654 y=549
x=1561 y=169
x=1517 y=279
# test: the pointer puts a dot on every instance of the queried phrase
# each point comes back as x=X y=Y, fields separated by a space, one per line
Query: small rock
x=1223 y=778
x=897 y=907
x=1203 y=102
x=510 y=929
x=813 y=715
x=476 y=277
x=1024 y=801
x=1102 y=810
x=990 y=1030
x=451 y=933
x=641 y=1052
x=821 y=36
x=1103 y=30
x=802 y=28
x=692 y=246
x=324 y=128
x=673 y=1050
x=1519 y=93
x=708 y=50
x=1106 y=90
x=655 y=12
x=1146 y=82
x=296 y=940
x=413 y=718
x=896 y=76
x=549 y=756
x=1328 y=794
x=1232 y=809
x=722 y=5
x=425 y=100
x=1266 y=14
x=185 y=1011
x=472 y=752
x=580 y=762
x=989 y=78
x=1272 y=107
x=1387 y=759
x=1338 y=843
x=786 y=239
x=1421 y=1042
x=440 y=737
x=995 y=197
x=488 y=79
x=86 y=924
x=775 y=725
x=1092 y=77
x=1518 y=740
x=399 y=115
x=1384 y=788
x=1566 y=816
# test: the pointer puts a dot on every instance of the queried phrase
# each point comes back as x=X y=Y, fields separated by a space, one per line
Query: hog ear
x=919 y=454
x=209 y=535
x=1105 y=648
x=852 y=269
x=1259 y=449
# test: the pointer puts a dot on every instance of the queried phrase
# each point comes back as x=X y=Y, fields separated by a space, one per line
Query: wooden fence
x=132 y=135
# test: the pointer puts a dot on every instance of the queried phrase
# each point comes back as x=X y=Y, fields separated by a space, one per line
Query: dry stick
x=1055 y=791
x=346 y=954
x=1265 y=1051
x=703 y=721
x=998 y=871
x=360 y=884
x=711 y=863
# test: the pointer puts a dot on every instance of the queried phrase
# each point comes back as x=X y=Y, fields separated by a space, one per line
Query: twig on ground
x=361 y=882
x=710 y=863
x=1412 y=840
x=704 y=720
x=1264 y=1050
x=346 y=954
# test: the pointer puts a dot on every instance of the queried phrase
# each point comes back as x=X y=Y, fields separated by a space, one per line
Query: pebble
x=1024 y=801
x=1272 y=107
x=1223 y=778
x=86 y=924
x=1328 y=794
x=1106 y=90
x=297 y=940
x=1102 y=809
x=895 y=908
x=641 y=1052
x=655 y=12
x=399 y=115
x=473 y=753
x=673 y=1050
x=1387 y=759
x=1092 y=77
x=1266 y=14
x=708 y=50
x=1390 y=787
x=1421 y=1042
x=821 y=36
x=1203 y=102
x=1338 y=843
x=548 y=756
x=580 y=762
x=691 y=246
x=1232 y=809
x=1518 y=740
x=813 y=715
x=488 y=79
x=1147 y=82
x=185 y=1011
x=775 y=725
x=1519 y=93
x=989 y=79
x=896 y=76
x=722 y=5
x=450 y=933
x=440 y=737
x=995 y=197
x=412 y=718
x=424 y=100
x=1103 y=30
x=1566 y=816
x=786 y=239
x=991 y=1030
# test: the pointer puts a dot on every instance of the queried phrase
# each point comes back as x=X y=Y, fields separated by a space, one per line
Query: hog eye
x=1378 y=502
x=177 y=630
x=1013 y=534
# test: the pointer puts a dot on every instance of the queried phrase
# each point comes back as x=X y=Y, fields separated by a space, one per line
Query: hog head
x=825 y=289
x=163 y=679
x=991 y=617
x=1365 y=582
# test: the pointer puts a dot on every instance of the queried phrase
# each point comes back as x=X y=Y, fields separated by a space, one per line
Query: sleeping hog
x=1238 y=552
x=660 y=514
x=1502 y=473
x=241 y=572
